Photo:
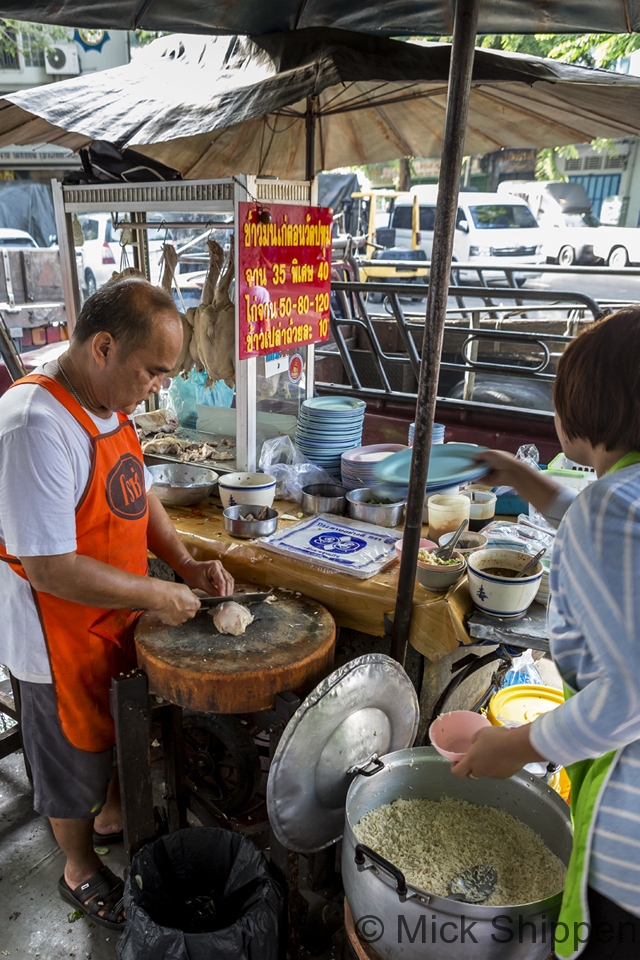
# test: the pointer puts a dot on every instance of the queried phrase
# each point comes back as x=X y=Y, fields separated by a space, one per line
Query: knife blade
x=213 y=601
x=236 y=597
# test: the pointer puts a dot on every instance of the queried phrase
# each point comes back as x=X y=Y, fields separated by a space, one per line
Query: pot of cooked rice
x=411 y=827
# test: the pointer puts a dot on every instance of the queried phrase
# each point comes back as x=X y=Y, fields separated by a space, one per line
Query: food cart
x=240 y=200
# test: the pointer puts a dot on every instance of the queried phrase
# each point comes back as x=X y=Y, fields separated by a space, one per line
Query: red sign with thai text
x=284 y=277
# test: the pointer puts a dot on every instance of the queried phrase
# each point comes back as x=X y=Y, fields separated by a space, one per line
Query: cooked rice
x=432 y=841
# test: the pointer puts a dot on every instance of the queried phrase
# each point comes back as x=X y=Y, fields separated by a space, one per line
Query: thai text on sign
x=284 y=277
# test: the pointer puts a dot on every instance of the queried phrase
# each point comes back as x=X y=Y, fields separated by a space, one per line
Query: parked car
x=103 y=253
x=489 y=228
x=16 y=238
x=574 y=233
x=395 y=274
x=564 y=212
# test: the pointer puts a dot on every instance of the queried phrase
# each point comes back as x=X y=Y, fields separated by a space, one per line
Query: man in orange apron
x=70 y=457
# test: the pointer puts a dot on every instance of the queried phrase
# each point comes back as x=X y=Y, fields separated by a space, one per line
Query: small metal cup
x=324 y=498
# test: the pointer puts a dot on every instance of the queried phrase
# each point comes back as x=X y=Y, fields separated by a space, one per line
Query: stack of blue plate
x=437 y=435
x=327 y=426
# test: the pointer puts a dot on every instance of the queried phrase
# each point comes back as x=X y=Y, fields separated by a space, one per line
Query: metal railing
x=351 y=295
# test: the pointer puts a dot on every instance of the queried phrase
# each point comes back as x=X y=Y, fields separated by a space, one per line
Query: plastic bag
x=527 y=453
x=522 y=670
x=281 y=458
x=204 y=879
x=517 y=536
x=185 y=394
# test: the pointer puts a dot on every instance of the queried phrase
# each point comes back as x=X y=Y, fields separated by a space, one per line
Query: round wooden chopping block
x=289 y=646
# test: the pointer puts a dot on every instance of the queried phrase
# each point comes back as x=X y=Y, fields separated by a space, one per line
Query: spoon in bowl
x=445 y=553
x=529 y=565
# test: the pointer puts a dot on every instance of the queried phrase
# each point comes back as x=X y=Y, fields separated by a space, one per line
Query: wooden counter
x=438 y=621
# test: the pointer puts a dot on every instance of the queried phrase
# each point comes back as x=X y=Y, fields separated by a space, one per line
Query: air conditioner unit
x=62 y=60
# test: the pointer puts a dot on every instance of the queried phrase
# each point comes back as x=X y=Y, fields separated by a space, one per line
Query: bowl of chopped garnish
x=437 y=574
x=366 y=504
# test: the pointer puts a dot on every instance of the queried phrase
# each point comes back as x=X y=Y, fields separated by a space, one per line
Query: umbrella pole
x=310 y=138
x=462 y=53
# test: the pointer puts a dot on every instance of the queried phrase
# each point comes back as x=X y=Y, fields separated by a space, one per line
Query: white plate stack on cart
x=358 y=465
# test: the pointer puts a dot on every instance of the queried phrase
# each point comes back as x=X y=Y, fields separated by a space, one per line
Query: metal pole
x=68 y=266
x=9 y=354
x=310 y=138
x=462 y=52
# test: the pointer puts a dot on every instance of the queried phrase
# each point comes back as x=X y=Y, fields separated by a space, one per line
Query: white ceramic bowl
x=542 y=596
x=502 y=596
x=469 y=542
x=253 y=488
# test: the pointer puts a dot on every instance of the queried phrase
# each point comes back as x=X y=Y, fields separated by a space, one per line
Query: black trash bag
x=104 y=162
x=201 y=879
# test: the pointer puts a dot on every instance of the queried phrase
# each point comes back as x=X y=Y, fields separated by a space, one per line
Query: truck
x=573 y=233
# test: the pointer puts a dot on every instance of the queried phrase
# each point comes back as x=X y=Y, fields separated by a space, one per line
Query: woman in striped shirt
x=594 y=631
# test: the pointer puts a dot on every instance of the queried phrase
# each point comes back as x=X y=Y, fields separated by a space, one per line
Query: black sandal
x=104 y=891
x=107 y=839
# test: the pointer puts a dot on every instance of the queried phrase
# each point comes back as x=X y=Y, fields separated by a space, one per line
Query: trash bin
x=201 y=894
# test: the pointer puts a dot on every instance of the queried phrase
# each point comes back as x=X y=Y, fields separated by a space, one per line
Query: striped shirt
x=594 y=631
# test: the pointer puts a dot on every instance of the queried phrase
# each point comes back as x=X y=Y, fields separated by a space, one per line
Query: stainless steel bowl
x=324 y=498
x=237 y=526
x=383 y=514
x=182 y=484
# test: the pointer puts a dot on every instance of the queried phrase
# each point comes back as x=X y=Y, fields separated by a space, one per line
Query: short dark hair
x=125 y=309
x=597 y=388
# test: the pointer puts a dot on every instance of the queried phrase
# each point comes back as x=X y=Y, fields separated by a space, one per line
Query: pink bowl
x=451 y=734
x=424 y=545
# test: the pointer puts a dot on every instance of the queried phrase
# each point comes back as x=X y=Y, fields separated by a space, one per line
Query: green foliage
x=41 y=36
x=531 y=44
x=587 y=49
x=143 y=37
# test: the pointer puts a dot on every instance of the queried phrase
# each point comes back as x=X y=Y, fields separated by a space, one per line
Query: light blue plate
x=335 y=406
x=449 y=463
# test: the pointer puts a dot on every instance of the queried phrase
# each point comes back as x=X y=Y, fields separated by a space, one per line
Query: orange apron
x=88 y=645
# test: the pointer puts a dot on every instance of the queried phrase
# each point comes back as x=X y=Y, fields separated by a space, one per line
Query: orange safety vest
x=87 y=646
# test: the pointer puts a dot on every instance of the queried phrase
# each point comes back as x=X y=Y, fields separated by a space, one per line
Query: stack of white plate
x=358 y=465
x=327 y=426
x=437 y=435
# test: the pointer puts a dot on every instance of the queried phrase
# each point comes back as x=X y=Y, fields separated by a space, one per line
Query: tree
x=602 y=50
x=40 y=36
x=587 y=49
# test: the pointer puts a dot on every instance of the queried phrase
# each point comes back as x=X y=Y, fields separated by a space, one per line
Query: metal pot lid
x=366 y=709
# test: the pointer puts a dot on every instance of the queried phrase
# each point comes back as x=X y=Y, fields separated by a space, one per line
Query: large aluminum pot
x=414 y=924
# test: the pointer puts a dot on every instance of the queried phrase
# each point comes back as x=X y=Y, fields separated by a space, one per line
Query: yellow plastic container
x=522 y=703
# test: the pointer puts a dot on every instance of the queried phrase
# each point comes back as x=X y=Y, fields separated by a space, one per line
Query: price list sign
x=284 y=270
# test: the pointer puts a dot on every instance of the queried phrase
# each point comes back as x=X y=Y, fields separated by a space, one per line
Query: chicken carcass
x=204 y=317
x=170 y=261
x=152 y=421
x=223 y=333
x=231 y=617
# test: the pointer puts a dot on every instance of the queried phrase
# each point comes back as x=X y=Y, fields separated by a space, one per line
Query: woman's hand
x=532 y=485
x=497 y=752
x=505 y=469
x=207 y=575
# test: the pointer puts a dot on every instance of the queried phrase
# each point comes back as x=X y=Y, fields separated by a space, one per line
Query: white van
x=489 y=228
x=581 y=237
x=563 y=210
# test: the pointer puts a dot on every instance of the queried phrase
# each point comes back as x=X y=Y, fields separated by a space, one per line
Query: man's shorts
x=68 y=783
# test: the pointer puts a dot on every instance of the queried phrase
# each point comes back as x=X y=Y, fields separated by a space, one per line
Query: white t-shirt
x=45 y=457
